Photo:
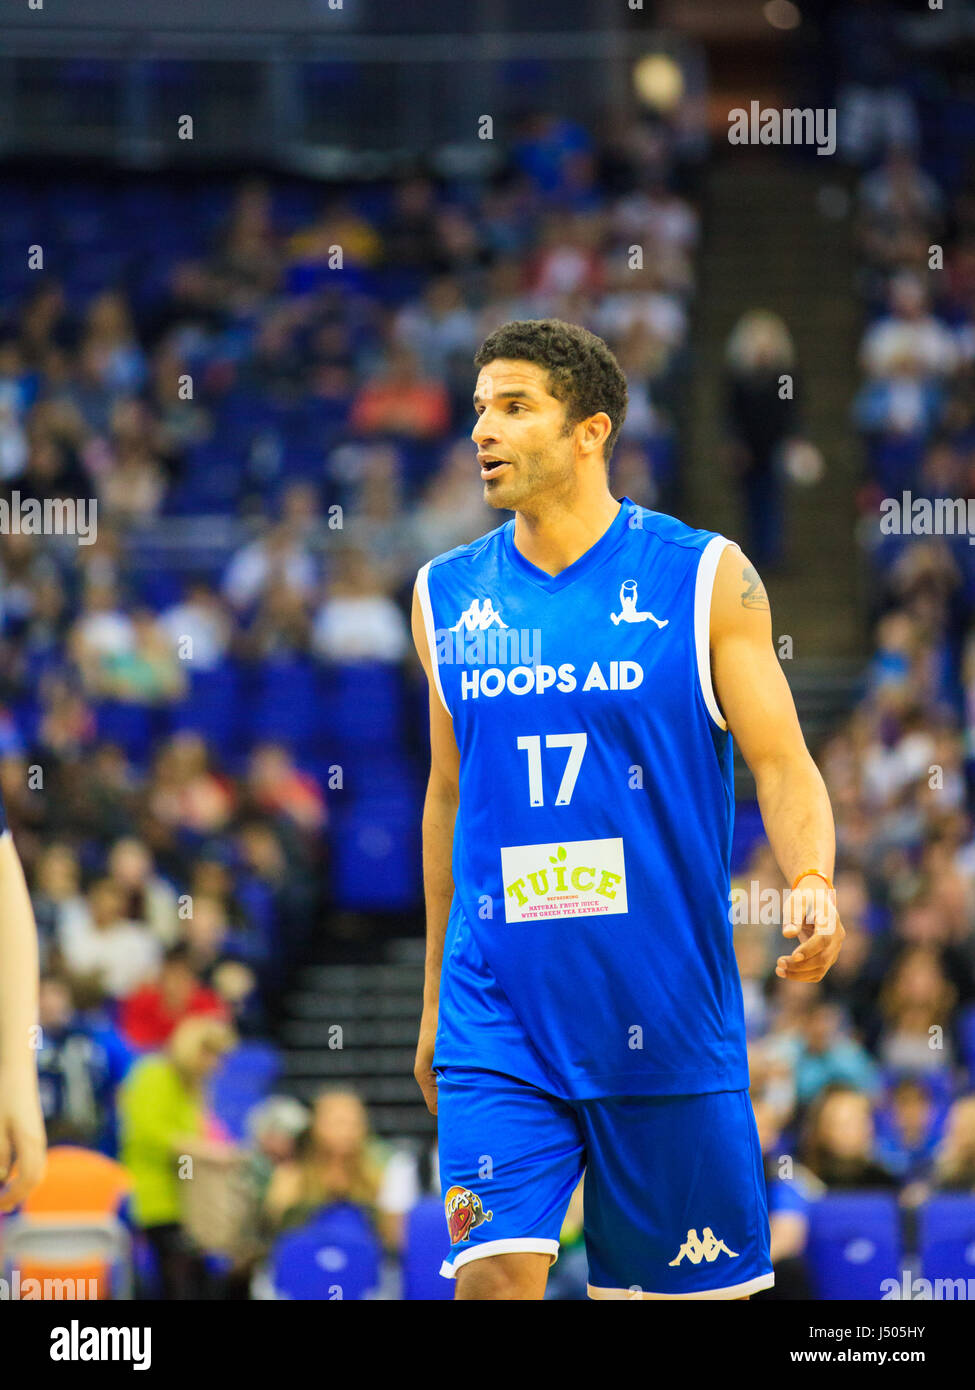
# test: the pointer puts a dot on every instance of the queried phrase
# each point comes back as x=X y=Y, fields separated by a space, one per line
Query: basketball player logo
x=707 y=1248
x=464 y=1211
x=479 y=615
x=628 y=609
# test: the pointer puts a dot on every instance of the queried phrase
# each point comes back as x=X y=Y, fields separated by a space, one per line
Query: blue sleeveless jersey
x=589 y=943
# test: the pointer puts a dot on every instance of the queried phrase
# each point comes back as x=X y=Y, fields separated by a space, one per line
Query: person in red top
x=151 y=1013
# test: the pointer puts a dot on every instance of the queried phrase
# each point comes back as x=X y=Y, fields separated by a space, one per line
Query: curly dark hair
x=582 y=372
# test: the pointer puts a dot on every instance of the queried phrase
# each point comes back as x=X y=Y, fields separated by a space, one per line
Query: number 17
x=532 y=744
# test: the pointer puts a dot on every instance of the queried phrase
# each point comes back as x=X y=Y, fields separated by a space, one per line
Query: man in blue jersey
x=589 y=663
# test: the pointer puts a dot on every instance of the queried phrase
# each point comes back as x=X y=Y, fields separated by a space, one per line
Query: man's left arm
x=756 y=701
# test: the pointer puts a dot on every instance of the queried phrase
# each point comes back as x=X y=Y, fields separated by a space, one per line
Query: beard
x=528 y=483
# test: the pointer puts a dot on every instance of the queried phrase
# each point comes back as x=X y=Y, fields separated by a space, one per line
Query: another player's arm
x=755 y=699
x=439 y=815
x=22 y=1140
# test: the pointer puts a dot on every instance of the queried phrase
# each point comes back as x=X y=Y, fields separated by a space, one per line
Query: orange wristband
x=814 y=873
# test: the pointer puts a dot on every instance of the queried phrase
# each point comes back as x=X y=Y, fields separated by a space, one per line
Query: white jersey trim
x=516 y=1245
x=426 y=608
x=764 y=1281
x=707 y=568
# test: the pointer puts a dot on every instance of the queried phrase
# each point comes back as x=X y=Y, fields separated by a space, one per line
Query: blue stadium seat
x=947 y=1237
x=376 y=858
x=854 y=1244
x=212 y=707
x=337 y=1256
x=363 y=706
x=131 y=726
x=425 y=1246
x=244 y=1077
x=285 y=703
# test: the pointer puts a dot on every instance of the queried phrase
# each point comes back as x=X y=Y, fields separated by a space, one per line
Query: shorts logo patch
x=577 y=878
x=464 y=1211
x=707 y=1247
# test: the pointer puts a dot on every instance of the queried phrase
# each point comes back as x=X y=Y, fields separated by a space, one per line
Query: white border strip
x=426 y=608
x=707 y=568
x=530 y=1245
x=764 y=1281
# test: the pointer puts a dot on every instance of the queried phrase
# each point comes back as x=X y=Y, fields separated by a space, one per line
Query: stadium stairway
x=778 y=236
x=773 y=240
x=356 y=1025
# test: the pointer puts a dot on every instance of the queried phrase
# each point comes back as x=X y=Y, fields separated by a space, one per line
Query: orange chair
x=68 y=1234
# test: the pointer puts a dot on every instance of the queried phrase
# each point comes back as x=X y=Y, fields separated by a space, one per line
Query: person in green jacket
x=163 y=1128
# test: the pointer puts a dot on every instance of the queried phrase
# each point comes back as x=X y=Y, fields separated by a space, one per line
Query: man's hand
x=23 y=1144
x=426 y=1077
x=810 y=914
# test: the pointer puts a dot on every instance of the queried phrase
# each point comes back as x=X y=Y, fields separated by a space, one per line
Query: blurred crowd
x=870 y=1084
x=179 y=743
x=269 y=401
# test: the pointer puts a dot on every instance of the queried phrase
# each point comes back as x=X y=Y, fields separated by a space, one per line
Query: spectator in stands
x=440 y=330
x=151 y=899
x=909 y=338
x=274 y=1127
x=791 y=1190
x=374 y=509
x=761 y=409
x=246 y=262
x=80 y=1062
x=56 y=892
x=338 y=224
x=954 y=1162
x=402 y=399
x=147 y=672
x=198 y=627
x=151 y=1013
x=102 y=632
x=275 y=786
x=340 y=1161
x=163 y=1123
x=917 y=1003
x=908 y=1129
x=280 y=556
x=451 y=510
x=68 y=725
x=838 y=1141
x=549 y=151
x=280 y=627
x=103 y=950
x=824 y=1054
x=409 y=235
x=111 y=337
x=357 y=621
x=279 y=893
x=209 y=935
x=186 y=793
x=899 y=206
x=752 y=957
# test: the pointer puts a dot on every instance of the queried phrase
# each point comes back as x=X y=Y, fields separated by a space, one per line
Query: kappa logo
x=628 y=610
x=708 y=1247
x=464 y=1211
x=480 y=615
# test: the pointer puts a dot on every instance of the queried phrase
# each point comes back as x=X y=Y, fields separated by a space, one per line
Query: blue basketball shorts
x=674 y=1190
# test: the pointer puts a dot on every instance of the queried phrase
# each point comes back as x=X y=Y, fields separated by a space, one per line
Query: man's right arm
x=439 y=815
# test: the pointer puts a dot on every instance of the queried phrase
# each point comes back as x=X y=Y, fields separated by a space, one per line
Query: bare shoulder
x=739 y=601
x=419 y=630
